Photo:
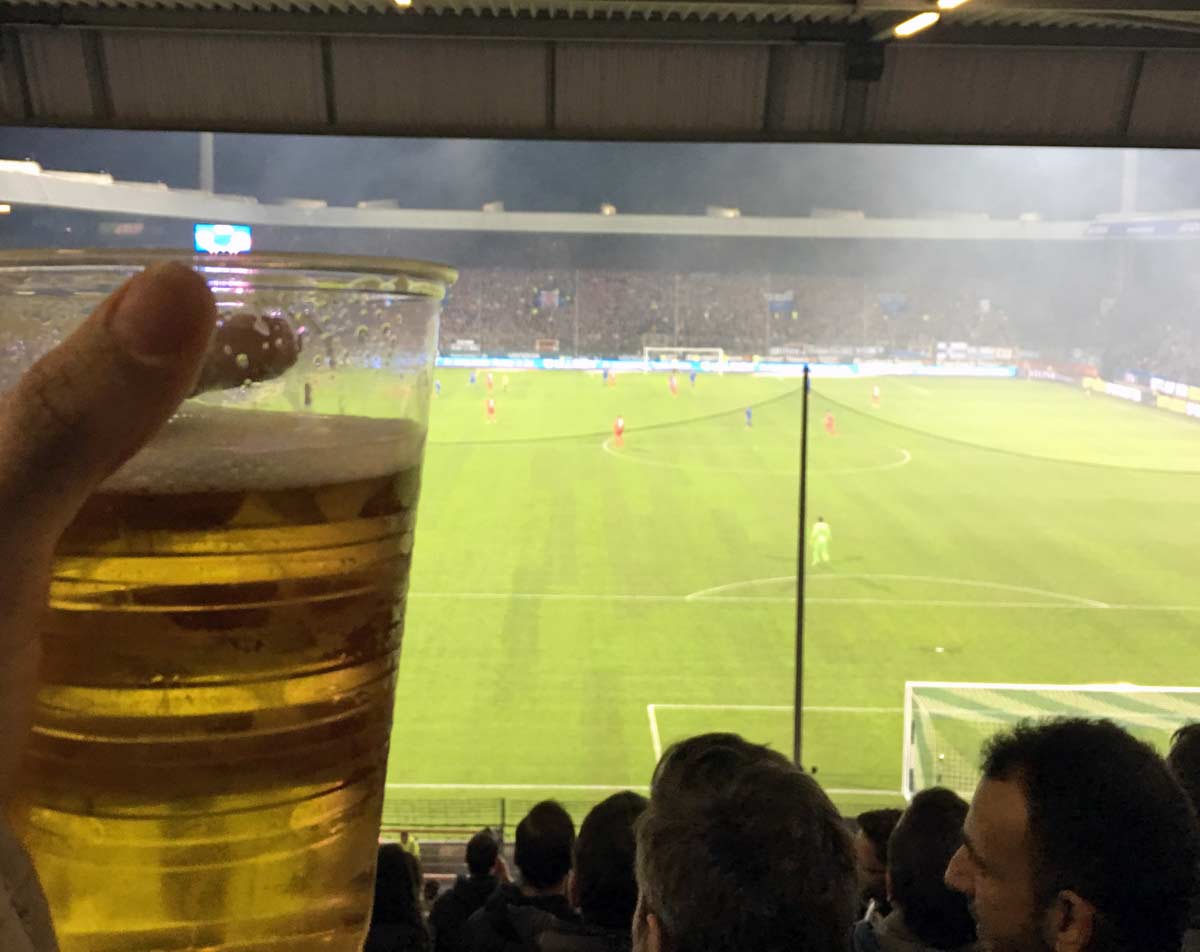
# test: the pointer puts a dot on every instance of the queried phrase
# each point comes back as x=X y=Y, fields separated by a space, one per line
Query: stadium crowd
x=1079 y=838
x=615 y=312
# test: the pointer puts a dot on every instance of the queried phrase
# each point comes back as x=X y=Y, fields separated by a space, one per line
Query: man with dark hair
x=514 y=916
x=871 y=857
x=1184 y=761
x=1078 y=840
x=705 y=761
x=740 y=851
x=602 y=885
x=452 y=909
x=926 y=914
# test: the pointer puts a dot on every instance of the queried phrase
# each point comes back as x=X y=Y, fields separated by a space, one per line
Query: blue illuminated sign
x=223 y=239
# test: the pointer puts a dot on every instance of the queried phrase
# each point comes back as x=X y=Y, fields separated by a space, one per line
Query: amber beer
x=207 y=766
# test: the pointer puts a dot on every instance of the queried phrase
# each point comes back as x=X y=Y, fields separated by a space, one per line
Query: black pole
x=801 y=539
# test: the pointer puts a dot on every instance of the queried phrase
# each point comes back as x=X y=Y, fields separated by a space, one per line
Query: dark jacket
x=890 y=934
x=397 y=937
x=1191 y=938
x=511 y=921
x=451 y=910
x=584 y=937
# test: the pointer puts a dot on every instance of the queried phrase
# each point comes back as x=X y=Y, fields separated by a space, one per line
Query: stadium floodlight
x=607 y=209
x=950 y=4
x=5 y=209
x=403 y=4
x=720 y=211
x=493 y=207
x=916 y=24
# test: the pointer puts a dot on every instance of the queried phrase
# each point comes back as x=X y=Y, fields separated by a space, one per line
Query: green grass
x=982 y=517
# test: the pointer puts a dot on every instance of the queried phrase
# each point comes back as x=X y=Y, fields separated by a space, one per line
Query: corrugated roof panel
x=12 y=100
x=998 y=94
x=1167 y=108
x=810 y=90
x=201 y=79
x=57 y=75
x=1047 y=15
x=608 y=89
x=439 y=84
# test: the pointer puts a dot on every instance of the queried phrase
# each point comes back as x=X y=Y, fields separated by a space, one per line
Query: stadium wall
x=874 y=368
x=1160 y=394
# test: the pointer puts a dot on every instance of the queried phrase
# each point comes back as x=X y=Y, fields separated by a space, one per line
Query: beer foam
x=218 y=449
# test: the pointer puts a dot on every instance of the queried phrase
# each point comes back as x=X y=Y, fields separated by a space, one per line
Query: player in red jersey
x=491 y=410
x=875 y=396
x=619 y=431
x=674 y=385
x=830 y=423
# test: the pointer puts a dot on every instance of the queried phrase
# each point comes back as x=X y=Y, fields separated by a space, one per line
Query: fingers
x=89 y=404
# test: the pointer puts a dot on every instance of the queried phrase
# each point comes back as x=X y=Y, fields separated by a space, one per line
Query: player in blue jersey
x=471 y=380
x=692 y=378
x=437 y=388
x=749 y=417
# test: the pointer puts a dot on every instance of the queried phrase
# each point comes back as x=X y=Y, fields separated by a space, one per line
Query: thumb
x=91 y=403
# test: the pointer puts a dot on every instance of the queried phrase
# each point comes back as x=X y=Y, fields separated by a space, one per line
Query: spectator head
x=740 y=851
x=431 y=891
x=482 y=850
x=1184 y=761
x=1078 y=839
x=928 y=833
x=397 y=886
x=545 y=839
x=871 y=853
x=705 y=760
x=604 y=887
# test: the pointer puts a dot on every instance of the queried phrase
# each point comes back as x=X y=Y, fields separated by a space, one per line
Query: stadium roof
x=28 y=184
x=1081 y=72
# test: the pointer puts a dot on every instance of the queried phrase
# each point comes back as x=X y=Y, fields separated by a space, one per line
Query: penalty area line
x=605 y=788
x=656 y=734
x=586 y=787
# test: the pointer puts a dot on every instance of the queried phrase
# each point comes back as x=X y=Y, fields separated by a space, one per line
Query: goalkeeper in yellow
x=819 y=541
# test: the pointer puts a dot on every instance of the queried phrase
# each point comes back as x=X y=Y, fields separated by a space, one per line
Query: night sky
x=662 y=178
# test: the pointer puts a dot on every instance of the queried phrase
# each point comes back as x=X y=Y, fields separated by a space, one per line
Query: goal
x=715 y=355
x=947 y=722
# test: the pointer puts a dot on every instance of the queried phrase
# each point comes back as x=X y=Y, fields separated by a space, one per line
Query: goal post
x=947 y=722
x=714 y=355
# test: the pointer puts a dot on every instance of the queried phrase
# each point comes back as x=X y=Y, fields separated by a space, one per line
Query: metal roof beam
x=709 y=23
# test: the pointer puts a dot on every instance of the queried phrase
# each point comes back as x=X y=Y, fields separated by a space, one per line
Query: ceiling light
x=917 y=24
x=403 y=4
x=950 y=4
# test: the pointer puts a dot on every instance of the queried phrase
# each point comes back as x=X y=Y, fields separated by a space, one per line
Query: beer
x=207 y=765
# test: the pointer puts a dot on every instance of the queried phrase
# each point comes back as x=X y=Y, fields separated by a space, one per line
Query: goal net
x=714 y=355
x=946 y=722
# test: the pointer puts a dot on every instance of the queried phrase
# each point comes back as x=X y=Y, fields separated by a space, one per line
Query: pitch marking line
x=904 y=459
x=890 y=577
x=656 y=735
x=1069 y=603
x=586 y=787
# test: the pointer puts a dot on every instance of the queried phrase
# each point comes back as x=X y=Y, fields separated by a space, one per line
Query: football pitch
x=575 y=606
